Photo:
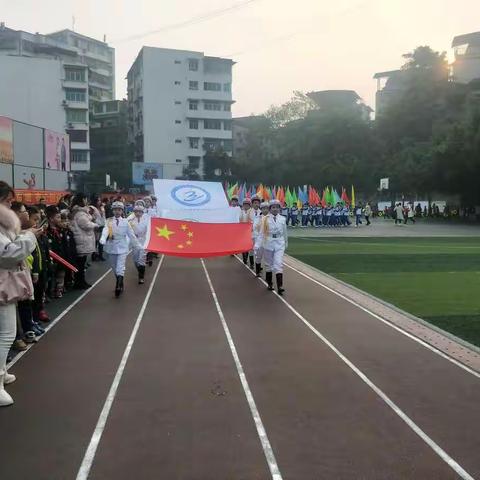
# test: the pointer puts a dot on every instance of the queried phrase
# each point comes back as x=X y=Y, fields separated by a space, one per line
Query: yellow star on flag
x=190 y=234
x=164 y=232
x=180 y=246
x=184 y=228
x=188 y=242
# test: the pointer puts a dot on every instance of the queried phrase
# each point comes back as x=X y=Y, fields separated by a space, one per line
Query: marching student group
x=269 y=235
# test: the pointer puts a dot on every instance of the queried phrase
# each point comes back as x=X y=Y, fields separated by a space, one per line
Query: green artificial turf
x=437 y=279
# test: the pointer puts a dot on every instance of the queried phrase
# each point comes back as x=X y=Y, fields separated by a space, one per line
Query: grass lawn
x=437 y=279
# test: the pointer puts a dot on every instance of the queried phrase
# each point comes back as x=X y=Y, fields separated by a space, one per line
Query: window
x=227 y=107
x=193 y=105
x=193 y=142
x=227 y=87
x=77 y=135
x=194 y=162
x=212 y=86
x=178 y=102
x=79 y=156
x=228 y=145
x=193 y=85
x=178 y=160
x=178 y=140
x=210 y=145
x=178 y=121
x=193 y=124
x=227 y=125
x=193 y=64
x=213 y=106
x=212 y=124
x=76 y=116
x=112 y=106
x=178 y=62
x=75 y=95
x=177 y=82
x=75 y=75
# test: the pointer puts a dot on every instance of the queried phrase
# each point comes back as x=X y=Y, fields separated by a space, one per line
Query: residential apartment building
x=466 y=66
x=111 y=154
x=390 y=86
x=179 y=108
x=87 y=75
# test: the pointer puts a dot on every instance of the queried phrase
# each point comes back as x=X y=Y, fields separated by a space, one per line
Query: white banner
x=185 y=194
x=216 y=215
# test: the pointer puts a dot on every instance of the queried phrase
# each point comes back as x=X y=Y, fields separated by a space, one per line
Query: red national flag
x=198 y=240
x=62 y=261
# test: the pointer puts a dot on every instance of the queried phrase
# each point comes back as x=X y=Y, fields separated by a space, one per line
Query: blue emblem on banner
x=190 y=195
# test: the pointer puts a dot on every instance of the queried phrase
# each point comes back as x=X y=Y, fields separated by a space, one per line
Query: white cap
x=275 y=202
x=264 y=205
x=118 y=205
x=139 y=208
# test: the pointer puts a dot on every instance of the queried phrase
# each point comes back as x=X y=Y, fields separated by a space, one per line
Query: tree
x=295 y=109
x=217 y=165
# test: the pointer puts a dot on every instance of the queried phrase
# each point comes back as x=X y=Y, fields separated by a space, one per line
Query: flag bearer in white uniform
x=246 y=216
x=139 y=224
x=257 y=229
x=115 y=237
x=275 y=241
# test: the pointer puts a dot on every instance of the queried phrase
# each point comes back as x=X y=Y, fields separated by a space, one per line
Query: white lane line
x=386 y=322
x=429 y=441
x=89 y=457
x=262 y=434
x=57 y=319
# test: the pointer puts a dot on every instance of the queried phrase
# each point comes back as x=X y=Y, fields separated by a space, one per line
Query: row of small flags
x=291 y=196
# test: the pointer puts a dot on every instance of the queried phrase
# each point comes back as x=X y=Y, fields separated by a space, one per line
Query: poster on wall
x=145 y=173
x=57 y=151
x=6 y=140
x=28 y=178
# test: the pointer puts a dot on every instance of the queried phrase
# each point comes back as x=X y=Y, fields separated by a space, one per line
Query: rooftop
x=386 y=74
x=468 y=38
x=66 y=30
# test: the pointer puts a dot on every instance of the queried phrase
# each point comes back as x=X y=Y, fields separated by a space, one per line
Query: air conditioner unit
x=64 y=103
x=70 y=125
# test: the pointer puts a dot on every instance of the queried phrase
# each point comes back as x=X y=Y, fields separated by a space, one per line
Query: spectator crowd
x=29 y=278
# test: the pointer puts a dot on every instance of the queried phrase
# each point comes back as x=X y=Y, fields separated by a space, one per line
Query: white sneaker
x=9 y=378
x=5 y=399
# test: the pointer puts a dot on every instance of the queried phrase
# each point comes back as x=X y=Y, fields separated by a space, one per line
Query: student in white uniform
x=137 y=202
x=115 y=238
x=246 y=216
x=256 y=217
x=139 y=224
x=274 y=241
x=258 y=247
x=150 y=208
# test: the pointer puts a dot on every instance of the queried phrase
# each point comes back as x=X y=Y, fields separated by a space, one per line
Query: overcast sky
x=280 y=45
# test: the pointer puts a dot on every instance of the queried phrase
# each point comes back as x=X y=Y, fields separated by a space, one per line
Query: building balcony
x=101 y=71
x=74 y=83
x=79 y=146
x=76 y=126
x=201 y=94
x=101 y=85
x=201 y=113
x=216 y=134
x=75 y=105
